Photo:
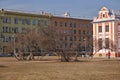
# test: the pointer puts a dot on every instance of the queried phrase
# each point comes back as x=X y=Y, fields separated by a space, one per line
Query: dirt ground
x=52 y=69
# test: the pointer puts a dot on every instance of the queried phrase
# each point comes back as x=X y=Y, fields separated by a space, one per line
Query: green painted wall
x=23 y=21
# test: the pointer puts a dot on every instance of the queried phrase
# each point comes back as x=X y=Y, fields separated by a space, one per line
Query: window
x=15 y=30
x=3 y=29
x=103 y=15
x=106 y=28
x=6 y=29
x=107 y=43
x=61 y=23
x=5 y=39
x=65 y=31
x=23 y=21
x=15 y=21
x=70 y=45
x=55 y=24
x=33 y=22
x=66 y=45
x=45 y=22
x=65 y=24
x=22 y=30
x=6 y=20
x=79 y=31
x=70 y=38
x=65 y=38
x=100 y=43
x=40 y=22
x=27 y=21
x=100 y=28
x=74 y=25
x=71 y=24
x=83 y=32
x=74 y=31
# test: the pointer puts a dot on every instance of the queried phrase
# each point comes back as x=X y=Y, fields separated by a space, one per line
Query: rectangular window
x=84 y=32
x=16 y=30
x=15 y=21
x=70 y=38
x=100 y=28
x=74 y=25
x=70 y=45
x=3 y=29
x=74 y=31
x=100 y=43
x=107 y=43
x=71 y=24
x=27 y=21
x=45 y=22
x=55 y=23
x=7 y=29
x=66 y=45
x=5 y=39
x=65 y=24
x=106 y=28
x=22 y=30
x=6 y=20
x=65 y=38
x=23 y=21
x=33 y=22
x=65 y=31
x=61 y=23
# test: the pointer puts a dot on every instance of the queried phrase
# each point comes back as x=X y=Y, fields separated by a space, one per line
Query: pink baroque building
x=106 y=33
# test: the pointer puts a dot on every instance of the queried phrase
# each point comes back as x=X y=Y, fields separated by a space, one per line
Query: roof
x=17 y=12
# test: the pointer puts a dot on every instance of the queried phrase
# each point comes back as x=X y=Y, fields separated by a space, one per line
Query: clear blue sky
x=77 y=8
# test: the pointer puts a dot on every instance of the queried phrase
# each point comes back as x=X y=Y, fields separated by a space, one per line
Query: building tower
x=106 y=33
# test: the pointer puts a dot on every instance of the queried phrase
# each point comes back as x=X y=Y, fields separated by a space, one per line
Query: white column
x=103 y=34
x=113 y=32
x=110 y=34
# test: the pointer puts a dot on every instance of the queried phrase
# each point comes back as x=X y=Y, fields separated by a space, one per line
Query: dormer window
x=103 y=15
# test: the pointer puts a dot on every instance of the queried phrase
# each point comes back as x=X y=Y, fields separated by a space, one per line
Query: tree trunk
x=76 y=56
x=64 y=57
x=31 y=56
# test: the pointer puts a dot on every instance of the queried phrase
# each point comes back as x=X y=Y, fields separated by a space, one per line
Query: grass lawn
x=95 y=69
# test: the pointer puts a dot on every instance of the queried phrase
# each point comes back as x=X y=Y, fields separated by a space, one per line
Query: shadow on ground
x=2 y=66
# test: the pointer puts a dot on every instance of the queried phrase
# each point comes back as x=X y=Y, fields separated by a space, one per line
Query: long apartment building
x=77 y=32
x=12 y=22
x=106 y=33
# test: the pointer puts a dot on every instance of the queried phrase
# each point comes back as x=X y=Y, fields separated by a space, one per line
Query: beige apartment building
x=106 y=33
x=77 y=32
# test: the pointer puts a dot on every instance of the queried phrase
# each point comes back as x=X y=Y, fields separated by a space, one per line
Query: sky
x=76 y=8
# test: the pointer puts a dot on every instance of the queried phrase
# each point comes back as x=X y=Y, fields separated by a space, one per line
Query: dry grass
x=11 y=69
